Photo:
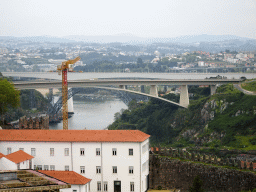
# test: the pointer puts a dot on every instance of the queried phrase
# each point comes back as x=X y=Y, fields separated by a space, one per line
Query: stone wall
x=209 y=159
x=34 y=123
x=6 y=176
x=171 y=173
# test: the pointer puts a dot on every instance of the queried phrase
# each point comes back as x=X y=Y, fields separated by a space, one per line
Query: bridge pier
x=213 y=89
x=153 y=90
x=70 y=104
x=184 y=99
x=50 y=98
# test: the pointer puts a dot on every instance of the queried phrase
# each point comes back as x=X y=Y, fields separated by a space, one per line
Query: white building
x=201 y=63
x=115 y=160
x=78 y=182
x=16 y=160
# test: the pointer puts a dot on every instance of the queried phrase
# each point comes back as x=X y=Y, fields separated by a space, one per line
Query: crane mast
x=63 y=69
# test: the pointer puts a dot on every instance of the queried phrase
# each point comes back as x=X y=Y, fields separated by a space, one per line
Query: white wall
x=6 y=164
x=144 y=159
x=79 y=188
x=106 y=160
x=25 y=164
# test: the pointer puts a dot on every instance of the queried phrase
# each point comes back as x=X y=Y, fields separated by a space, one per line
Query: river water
x=92 y=114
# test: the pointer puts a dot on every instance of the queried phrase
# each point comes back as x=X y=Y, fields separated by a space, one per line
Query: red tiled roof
x=1 y=155
x=19 y=156
x=74 y=135
x=70 y=177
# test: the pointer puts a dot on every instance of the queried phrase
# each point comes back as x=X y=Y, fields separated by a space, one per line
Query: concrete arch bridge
x=153 y=83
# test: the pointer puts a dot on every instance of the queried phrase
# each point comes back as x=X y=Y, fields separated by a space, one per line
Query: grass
x=251 y=86
x=244 y=143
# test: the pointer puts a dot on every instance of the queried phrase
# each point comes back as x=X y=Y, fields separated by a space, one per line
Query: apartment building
x=114 y=160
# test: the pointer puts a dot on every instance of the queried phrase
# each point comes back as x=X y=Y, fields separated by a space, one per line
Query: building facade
x=115 y=160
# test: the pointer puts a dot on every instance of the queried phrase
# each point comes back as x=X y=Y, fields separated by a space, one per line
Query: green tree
x=197 y=185
x=8 y=97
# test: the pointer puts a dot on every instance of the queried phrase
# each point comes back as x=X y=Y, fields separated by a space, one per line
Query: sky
x=142 y=18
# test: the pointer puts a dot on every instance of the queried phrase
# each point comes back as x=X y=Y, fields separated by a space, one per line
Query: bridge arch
x=72 y=91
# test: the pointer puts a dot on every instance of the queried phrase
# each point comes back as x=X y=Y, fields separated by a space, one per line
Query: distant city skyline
x=164 y=19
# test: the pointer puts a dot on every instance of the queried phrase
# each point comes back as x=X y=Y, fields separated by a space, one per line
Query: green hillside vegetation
x=234 y=119
x=15 y=113
x=250 y=86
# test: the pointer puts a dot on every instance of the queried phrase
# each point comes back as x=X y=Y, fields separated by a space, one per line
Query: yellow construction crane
x=63 y=69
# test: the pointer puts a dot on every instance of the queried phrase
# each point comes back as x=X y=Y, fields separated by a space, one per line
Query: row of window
x=66 y=151
x=105 y=186
x=98 y=169
x=82 y=168
x=114 y=151
x=46 y=167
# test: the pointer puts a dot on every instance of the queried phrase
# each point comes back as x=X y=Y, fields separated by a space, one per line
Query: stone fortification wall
x=36 y=123
x=171 y=173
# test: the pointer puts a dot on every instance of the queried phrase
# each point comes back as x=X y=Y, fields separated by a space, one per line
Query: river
x=92 y=114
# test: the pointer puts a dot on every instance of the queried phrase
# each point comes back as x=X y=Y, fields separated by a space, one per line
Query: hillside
x=224 y=120
x=40 y=105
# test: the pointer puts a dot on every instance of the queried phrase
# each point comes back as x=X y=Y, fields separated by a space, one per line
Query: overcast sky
x=143 y=18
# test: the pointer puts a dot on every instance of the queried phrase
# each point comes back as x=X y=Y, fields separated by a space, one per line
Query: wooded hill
x=224 y=120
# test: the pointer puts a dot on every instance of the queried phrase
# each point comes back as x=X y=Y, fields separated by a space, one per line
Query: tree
x=197 y=185
x=8 y=97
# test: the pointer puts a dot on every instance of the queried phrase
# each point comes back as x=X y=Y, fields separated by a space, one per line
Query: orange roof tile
x=70 y=177
x=1 y=155
x=74 y=135
x=19 y=156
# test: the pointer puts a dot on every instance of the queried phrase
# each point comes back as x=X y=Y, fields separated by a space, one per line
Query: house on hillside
x=114 y=160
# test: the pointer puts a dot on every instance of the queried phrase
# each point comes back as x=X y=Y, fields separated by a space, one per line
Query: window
x=46 y=167
x=40 y=167
x=130 y=169
x=97 y=151
x=98 y=169
x=131 y=186
x=130 y=151
x=74 y=190
x=98 y=186
x=66 y=168
x=66 y=152
x=113 y=151
x=82 y=151
x=105 y=186
x=82 y=169
x=52 y=167
x=34 y=167
x=9 y=150
x=33 y=151
x=114 y=169
x=22 y=149
x=51 y=151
